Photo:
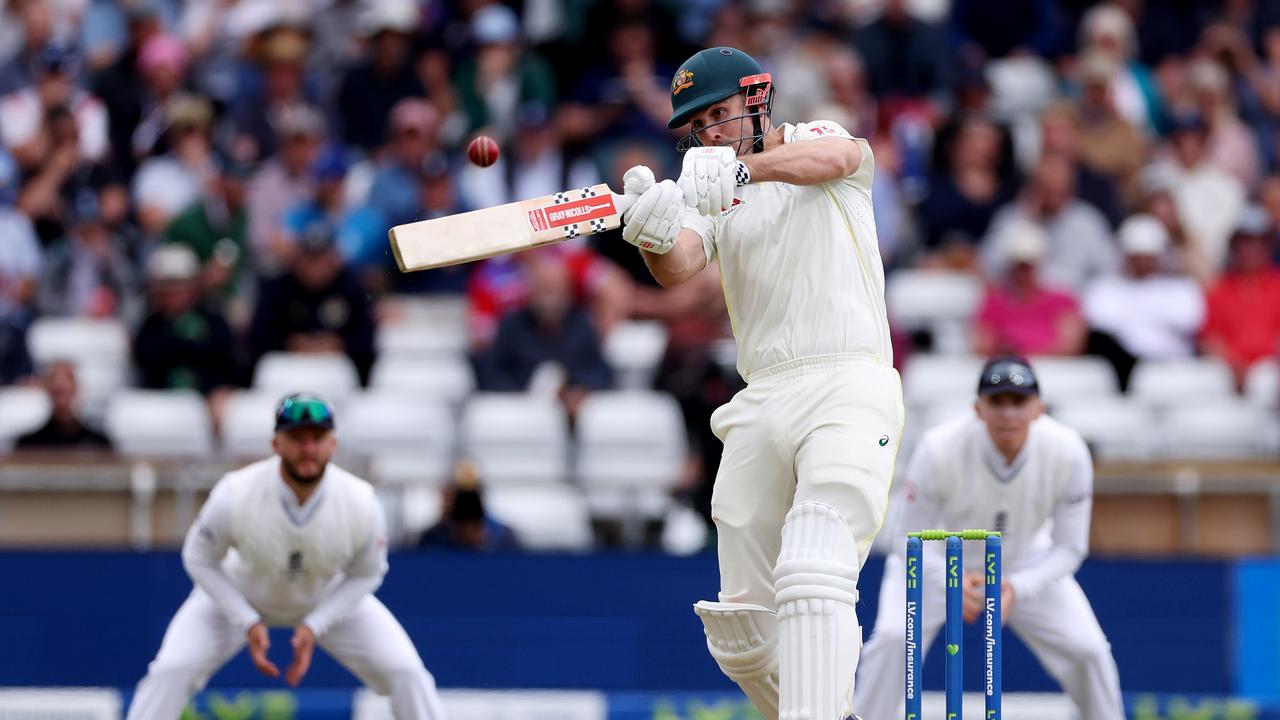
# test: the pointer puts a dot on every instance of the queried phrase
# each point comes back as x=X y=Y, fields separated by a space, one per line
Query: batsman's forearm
x=811 y=162
x=686 y=259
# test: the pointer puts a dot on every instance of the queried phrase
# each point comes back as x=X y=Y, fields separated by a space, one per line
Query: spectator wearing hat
x=466 y=525
x=65 y=430
x=502 y=74
x=438 y=196
x=361 y=231
x=215 y=227
x=318 y=305
x=1144 y=313
x=1107 y=30
x=1080 y=245
x=138 y=106
x=279 y=84
x=181 y=343
x=370 y=89
x=88 y=273
x=167 y=184
x=1243 y=324
x=283 y=182
x=1020 y=314
x=552 y=329
x=24 y=113
x=1209 y=200
x=32 y=21
x=414 y=128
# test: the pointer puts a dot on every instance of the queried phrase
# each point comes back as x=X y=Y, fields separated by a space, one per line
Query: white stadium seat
x=631 y=452
x=543 y=518
x=1115 y=429
x=942 y=302
x=22 y=410
x=1262 y=383
x=421 y=339
x=439 y=377
x=1224 y=430
x=1072 y=379
x=930 y=380
x=634 y=349
x=162 y=423
x=80 y=340
x=332 y=376
x=407 y=440
x=1162 y=384
x=516 y=438
x=248 y=422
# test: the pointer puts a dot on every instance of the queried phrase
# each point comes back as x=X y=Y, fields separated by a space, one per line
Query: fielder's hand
x=259 y=641
x=653 y=222
x=304 y=643
x=709 y=176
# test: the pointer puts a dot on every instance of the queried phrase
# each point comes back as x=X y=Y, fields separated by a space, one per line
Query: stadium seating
x=1115 y=429
x=543 y=518
x=516 y=439
x=634 y=350
x=1074 y=379
x=942 y=302
x=630 y=452
x=247 y=424
x=332 y=375
x=406 y=440
x=930 y=380
x=22 y=410
x=1223 y=430
x=81 y=341
x=421 y=338
x=160 y=423
x=447 y=378
x=1262 y=384
x=1162 y=384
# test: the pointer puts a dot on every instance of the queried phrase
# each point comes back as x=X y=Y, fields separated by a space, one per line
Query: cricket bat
x=513 y=227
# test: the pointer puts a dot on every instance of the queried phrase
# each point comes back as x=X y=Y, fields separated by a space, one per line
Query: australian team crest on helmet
x=682 y=80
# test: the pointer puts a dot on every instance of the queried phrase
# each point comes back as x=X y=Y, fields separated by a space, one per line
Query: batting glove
x=709 y=177
x=653 y=223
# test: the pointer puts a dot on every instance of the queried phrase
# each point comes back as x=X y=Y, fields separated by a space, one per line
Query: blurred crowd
x=220 y=174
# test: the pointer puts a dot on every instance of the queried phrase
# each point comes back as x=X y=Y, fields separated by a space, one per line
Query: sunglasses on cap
x=298 y=411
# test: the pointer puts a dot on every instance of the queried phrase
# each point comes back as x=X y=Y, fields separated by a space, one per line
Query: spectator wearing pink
x=139 y=119
x=1020 y=315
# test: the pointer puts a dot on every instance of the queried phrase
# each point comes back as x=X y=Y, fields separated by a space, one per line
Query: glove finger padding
x=655 y=219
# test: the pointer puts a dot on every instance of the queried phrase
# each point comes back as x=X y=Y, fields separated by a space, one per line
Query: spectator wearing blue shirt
x=360 y=232
x=414 y=128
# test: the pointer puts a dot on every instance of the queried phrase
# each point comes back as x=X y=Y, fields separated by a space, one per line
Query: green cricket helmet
x=717 y=74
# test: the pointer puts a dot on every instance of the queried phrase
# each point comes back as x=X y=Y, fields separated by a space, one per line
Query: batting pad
x=816 y=580
x=743 y=639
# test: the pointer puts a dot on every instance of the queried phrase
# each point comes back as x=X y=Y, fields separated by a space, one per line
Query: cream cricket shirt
x=801 y=265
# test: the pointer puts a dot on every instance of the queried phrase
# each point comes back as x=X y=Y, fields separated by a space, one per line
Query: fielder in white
x=289 y=541
x=809 y=444
x=1012 y=469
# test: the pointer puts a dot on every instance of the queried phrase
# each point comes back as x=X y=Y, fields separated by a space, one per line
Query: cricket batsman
x=1007 y=468
x=290 y=541
x=809 y=444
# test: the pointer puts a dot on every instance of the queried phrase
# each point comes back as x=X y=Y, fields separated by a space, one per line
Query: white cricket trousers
x=822 y=429
x=1058 y=625
x=369 y=642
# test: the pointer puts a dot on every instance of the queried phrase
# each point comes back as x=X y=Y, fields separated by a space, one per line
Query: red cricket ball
x=483 y=151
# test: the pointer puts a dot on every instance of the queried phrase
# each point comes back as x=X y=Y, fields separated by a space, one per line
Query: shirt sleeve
x=362 y=576
x=206 y=545
x=1070 y=529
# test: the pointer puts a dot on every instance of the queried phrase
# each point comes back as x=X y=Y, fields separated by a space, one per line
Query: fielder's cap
x=173 y=262
x=1008 y=375
x=1142 y=234
x=301 y=410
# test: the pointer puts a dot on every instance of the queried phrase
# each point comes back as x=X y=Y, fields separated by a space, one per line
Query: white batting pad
x=816 y=580
x=743 y=639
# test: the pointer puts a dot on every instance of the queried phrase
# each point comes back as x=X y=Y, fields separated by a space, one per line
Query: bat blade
x=509 y=228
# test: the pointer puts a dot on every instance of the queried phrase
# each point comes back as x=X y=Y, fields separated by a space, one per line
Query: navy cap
x=303 y=411
x=1008 y=375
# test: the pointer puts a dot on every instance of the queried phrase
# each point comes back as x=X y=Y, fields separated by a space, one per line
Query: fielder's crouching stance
x=809 y=444
x=289 y=541
x=1011 y=469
